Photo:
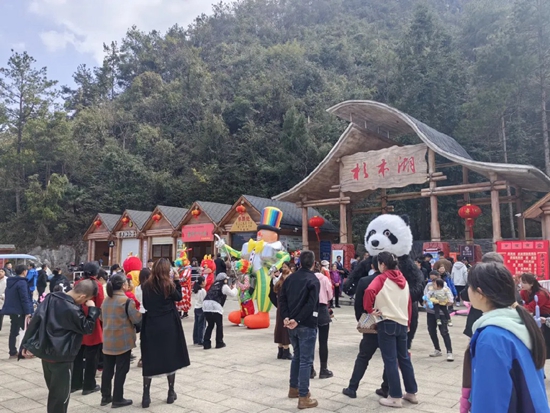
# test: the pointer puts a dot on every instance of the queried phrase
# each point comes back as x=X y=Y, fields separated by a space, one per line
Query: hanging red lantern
x=157 y=217
x=469 y=213
x=125 y=220
x=241 y=209
x=317 y=222
x=97 y=223
x=196 y=213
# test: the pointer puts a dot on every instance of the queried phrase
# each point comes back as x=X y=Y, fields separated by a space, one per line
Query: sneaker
x=436 y=353
x=450 y=323
x=391 y=402
x=382 y=393
x=352 y=394
x=411 y=398
x=450 y=357
x=325 y=374
x=438 y=322
x=457 y=304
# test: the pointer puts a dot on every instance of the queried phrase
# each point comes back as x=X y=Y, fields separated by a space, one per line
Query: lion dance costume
x=258 y=260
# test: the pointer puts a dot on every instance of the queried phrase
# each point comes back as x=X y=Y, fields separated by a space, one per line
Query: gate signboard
x=526 y=256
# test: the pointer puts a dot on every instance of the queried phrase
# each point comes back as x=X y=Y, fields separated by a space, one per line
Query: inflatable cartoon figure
x=265 y=255
x=132 y=267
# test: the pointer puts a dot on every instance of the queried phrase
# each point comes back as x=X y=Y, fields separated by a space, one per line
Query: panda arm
x=414 y=277
x=361 y=270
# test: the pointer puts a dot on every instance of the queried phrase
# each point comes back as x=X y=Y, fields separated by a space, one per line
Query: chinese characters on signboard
x=197 y=233
x=525 y=256
x=126 y=234
x=244 y=223
x=393 y=167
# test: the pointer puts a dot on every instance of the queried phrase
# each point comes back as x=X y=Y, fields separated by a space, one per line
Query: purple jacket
x=335 y=277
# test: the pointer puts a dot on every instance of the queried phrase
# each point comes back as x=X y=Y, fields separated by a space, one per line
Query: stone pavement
x=247 y=377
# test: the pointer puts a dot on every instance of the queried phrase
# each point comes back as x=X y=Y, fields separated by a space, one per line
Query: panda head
x=389 y=233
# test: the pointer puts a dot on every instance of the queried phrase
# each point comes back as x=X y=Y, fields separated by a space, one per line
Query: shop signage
x=526 y=256
x=291 y=242
x=197 y=233
x=244 y=223
x=126 y=234
x=394 y=167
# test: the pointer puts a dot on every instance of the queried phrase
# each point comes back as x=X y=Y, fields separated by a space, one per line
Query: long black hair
x=197 y=286
x=388 y=259
x=115 y=283
x=495 y=282
x=537 y=288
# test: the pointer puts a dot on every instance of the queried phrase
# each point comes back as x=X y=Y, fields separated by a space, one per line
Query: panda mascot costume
x=392 y=233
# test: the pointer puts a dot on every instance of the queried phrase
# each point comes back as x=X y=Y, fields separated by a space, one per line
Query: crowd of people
x=92 y=324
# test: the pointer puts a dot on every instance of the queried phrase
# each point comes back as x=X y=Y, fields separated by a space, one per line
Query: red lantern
x=196 y=213
x=125 y=220
x=97 y=223
x=317 y=222
x=241 y=209
x=157 y=217
x=469 y=213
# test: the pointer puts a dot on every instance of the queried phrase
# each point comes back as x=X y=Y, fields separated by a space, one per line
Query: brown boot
x=306 y=402
x=294 y=393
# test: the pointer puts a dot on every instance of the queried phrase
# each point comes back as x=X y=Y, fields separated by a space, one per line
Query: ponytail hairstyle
x=528 y=278
x=496 y=284
x=388 y=259
x=115 y=283
x=197 y=286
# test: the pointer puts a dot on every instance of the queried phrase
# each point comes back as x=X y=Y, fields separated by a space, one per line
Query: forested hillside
x=236 y=104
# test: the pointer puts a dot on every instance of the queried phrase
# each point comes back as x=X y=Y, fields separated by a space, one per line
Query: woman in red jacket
x=84 y=371
x=530 y=288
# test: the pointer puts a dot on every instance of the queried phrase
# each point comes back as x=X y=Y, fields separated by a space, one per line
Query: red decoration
x=157 y=217
x=97 y=223
x=125 y=220
x=241 y=209
x=470 y=213
x=317 y=222
x=196 y=213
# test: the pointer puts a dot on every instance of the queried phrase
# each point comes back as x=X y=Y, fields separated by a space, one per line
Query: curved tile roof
x=372 y=125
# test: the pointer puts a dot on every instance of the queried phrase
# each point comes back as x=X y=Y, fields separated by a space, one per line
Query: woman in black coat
x=163 y=347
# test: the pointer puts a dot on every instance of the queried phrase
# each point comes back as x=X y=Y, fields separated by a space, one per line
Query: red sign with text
x=197 y=233
x=526 y=256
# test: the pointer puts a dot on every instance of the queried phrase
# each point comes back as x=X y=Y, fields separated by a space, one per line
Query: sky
x=62 y=34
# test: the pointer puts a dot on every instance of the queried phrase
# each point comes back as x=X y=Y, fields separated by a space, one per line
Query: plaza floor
x=247 y=377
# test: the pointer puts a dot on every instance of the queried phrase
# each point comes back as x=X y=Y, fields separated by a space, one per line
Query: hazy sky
x=61 y=34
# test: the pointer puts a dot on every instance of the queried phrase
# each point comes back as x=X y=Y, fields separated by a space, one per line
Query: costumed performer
x=132 y=266
x=265 y=255
x=184 y=270
x=245 y=298
x=208 y=271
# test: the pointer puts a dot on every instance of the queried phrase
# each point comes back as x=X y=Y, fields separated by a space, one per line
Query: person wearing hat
x=212 y=308
x=265 y=256
x=325 y=268
x=85 y=363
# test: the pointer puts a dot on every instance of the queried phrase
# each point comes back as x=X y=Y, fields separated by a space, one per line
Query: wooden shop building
x=130 y=237
x=241 y=224
x=198 y=226
x=100 y=238
x=161 y=236
x=368 y=161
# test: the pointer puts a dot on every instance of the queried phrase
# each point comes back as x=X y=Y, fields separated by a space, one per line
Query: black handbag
x=136 y=326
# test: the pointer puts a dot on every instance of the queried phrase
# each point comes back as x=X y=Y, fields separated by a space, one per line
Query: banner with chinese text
x=525 y=256
x=394 y=167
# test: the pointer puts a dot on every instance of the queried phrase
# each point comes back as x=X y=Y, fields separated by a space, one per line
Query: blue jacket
x=32 y=278
x=18 y=298
x=504 y=377
x=447 y=278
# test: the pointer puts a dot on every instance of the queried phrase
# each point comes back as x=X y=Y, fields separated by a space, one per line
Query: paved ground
x=247 y=377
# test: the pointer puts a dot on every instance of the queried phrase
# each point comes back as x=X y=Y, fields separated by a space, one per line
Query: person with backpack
x=119 y=317
x=212 y=308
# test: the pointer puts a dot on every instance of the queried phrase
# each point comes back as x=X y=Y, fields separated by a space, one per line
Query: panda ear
x=406 y=219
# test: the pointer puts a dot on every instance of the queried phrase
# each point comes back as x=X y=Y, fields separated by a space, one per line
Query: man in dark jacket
x=299 y=302
x=220 y=264
x=55 y=335
x=17 y=305
x=42 y=281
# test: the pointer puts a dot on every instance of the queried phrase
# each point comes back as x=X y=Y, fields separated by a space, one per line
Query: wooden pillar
x=495 y=211
x=111 y=253
x=349 y=222
x=521 y=221
x=546 y=221
x=434 y=223
x=91 y=250
x=305 y=234
x=384 y=200
x=467 y=230
x=343 y=222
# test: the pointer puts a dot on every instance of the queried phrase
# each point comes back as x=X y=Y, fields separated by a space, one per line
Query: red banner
x=197 y=233
x=526 y=256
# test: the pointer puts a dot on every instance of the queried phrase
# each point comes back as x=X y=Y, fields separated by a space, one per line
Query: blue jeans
x=303 y=342
x=392 y=340
x=199 y=326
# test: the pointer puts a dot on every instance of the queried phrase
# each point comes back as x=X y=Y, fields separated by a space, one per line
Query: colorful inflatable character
x=208 y=271
x=265 y=255
x=184 y=270
x=132 y=266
